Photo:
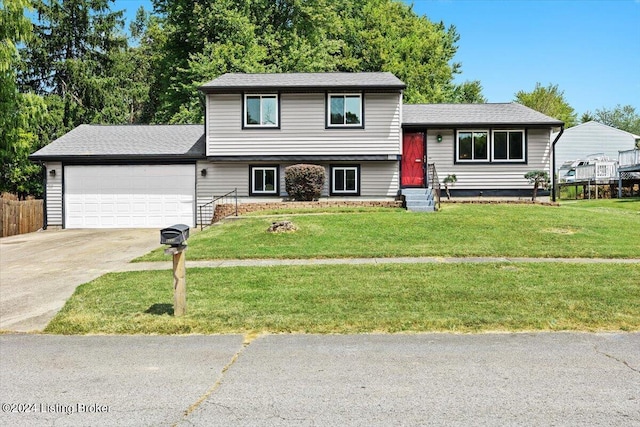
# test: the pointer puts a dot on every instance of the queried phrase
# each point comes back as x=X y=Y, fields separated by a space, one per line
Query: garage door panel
x=106 y=221
x=155 y=207
x=138 y=207
x=91 y=208
x=150 y=196
x=92 y=221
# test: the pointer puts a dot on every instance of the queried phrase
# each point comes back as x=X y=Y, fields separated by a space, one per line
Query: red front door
x=412 y=165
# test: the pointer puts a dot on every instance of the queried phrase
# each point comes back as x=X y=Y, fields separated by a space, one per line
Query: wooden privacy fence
x=19 y=217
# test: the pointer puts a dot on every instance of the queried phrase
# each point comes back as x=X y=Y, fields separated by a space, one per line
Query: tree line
x=68 y=62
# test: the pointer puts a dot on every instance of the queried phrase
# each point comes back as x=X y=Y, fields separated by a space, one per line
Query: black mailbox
x=176 y=235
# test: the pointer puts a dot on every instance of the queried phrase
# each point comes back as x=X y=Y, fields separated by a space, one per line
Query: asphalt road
x=568 y=379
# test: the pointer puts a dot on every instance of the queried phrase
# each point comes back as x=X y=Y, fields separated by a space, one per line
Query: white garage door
x=141 y=196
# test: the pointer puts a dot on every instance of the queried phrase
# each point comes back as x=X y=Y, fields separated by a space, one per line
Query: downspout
x=553 y=164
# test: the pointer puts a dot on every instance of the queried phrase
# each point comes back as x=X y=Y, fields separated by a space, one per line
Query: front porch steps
x=419 y=199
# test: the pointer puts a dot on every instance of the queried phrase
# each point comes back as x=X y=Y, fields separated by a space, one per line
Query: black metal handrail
x=210 y=207
x=434 y=183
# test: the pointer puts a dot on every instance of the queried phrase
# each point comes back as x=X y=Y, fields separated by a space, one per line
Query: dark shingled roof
x=473 y=114
x=127 y=141
x=302 y=81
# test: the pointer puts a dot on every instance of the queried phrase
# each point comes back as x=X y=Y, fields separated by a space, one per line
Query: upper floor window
x=261 y=110
x=344 y=110
x=473 y=145
x=508 y=145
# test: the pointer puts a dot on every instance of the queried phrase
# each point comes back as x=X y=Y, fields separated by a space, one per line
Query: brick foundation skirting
x=223 y=210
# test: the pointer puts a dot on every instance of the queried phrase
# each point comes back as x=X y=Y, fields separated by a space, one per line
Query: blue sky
x=589 y=48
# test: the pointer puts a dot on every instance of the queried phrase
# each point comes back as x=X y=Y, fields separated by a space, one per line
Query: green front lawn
x=361 y=298
x=631 y=204
x=608 y=229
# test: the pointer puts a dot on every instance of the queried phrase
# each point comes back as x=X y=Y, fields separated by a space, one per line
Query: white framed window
x=345 y=110
x=472 y=146
x=261 y=111
x=508 y=146
x=345 y=180
x=264 y=180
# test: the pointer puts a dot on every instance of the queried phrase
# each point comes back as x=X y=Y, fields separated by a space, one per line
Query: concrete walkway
x=163 y=265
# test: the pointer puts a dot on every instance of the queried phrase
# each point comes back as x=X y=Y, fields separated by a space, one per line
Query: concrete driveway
x=39 y=271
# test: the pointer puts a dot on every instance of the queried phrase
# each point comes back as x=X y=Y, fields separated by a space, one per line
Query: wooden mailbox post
x=179 y=279
x=177 y=236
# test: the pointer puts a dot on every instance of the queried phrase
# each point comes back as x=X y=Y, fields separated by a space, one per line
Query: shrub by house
x=304 y=182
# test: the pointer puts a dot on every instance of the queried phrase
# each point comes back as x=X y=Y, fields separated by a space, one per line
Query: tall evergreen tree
x=71 y=56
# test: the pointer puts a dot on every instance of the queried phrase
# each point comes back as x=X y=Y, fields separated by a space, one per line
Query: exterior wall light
x=439 y=137
x=203 y=172
x=52 y=172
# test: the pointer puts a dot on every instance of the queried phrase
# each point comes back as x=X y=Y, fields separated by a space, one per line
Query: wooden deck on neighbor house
x=625 y=173
x=629 y=161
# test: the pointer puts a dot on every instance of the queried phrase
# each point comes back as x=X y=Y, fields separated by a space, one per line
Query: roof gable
x=592 y=124
x=474 y=115
x=124 y=141
x=302 y=82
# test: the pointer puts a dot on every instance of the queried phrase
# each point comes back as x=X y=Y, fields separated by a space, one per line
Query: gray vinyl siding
x=221 y=178
x=378 y=179
x=54 y=194
x=302 y=128
x=592 y=138
x=488 y=176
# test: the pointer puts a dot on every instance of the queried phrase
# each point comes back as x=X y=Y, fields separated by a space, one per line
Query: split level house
x=372 y=146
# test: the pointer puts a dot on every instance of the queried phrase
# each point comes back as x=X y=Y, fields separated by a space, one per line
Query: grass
x=631 y=204
x=363 y=298
x=590 y=229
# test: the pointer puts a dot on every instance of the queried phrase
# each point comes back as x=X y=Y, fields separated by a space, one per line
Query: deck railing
x=597 y=171
x=208 y=210
x=434 y=183
x=629 y=158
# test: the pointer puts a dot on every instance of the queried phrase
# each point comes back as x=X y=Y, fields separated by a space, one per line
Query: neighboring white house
x=353 y=124
x=579 y=142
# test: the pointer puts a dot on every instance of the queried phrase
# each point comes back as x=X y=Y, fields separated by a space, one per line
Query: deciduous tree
x=206 y=38
x=20 y=113
x=548 y=100
x=620 y=117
